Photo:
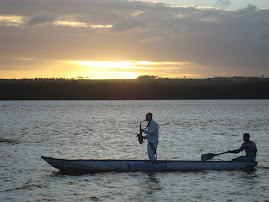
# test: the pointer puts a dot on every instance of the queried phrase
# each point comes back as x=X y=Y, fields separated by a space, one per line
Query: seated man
x=249 y=147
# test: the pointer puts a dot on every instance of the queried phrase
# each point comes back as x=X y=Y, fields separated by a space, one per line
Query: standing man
x=152 y=136
x=249 y=147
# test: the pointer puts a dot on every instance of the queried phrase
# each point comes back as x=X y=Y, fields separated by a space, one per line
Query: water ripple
x=107 y=130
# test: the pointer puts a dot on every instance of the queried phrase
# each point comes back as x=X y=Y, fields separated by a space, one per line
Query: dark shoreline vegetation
x=143 y=88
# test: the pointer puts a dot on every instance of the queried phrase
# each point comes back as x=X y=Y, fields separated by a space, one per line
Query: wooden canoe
x=83 y=165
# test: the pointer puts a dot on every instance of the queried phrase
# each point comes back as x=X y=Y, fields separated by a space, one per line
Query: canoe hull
x=144 y=165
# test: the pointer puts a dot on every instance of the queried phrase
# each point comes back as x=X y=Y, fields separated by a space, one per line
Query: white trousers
x=151 y=153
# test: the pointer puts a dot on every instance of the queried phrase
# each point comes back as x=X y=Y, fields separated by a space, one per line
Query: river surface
x=107 y=130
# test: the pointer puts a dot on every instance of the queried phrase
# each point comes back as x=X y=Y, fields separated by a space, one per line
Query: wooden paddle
x=209 y=156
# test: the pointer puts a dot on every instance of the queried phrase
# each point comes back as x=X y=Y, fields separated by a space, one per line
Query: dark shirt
x=250 y=149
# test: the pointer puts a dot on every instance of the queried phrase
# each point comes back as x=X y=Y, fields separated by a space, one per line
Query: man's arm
x=151 y=131
x=237 y=150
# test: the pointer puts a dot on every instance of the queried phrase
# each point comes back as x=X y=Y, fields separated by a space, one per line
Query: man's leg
x=240 y=158
x=151 y=152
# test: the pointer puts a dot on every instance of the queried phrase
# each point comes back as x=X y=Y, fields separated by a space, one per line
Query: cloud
x=40 y=19
x=222 y=3
x=263 y=34
x=11 y=20
x=211 y=41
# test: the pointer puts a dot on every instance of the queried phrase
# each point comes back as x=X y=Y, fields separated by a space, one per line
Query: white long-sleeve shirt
x=152 y=132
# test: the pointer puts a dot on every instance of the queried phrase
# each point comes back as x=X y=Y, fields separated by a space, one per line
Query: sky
x=124 y=39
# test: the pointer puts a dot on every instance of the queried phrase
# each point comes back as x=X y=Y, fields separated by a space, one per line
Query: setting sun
x=123 y=69
x=106 y=69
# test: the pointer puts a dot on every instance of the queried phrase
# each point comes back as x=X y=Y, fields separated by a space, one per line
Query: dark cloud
x=263 y=34
x=40 y=19
x=213 y=40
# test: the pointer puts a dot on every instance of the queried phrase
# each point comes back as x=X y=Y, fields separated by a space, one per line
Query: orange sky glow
x=125 y=39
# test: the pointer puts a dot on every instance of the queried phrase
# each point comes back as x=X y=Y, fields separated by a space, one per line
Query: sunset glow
x=124 y=69
x=124 y=39
x=11 y=20
x=80 y=24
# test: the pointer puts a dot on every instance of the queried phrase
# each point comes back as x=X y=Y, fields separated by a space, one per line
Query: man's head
x=148 y=116
x=246 y=137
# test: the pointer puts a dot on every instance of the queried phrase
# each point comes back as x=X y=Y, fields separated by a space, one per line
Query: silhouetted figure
x=249 y=147
x=152 y=136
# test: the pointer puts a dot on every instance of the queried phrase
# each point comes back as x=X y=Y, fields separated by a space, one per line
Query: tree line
x=145 y=88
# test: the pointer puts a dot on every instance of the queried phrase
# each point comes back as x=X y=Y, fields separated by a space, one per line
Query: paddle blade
x=208 y=156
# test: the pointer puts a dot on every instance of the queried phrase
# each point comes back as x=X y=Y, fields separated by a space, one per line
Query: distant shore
x=143 y=88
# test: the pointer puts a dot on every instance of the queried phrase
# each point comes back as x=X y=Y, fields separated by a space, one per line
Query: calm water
x=107 y=129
